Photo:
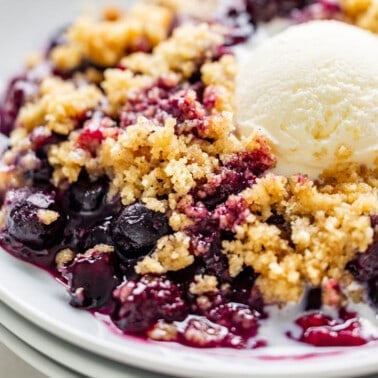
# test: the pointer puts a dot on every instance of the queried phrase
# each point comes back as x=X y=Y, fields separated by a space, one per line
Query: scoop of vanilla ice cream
x=313 y=90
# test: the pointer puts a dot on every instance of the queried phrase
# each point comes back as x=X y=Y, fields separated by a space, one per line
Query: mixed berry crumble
x=126 y=177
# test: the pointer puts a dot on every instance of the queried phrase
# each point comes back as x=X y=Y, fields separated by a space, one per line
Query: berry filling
x=320 y=330
x=91 y=279
x=140 y=304
x=365 y=266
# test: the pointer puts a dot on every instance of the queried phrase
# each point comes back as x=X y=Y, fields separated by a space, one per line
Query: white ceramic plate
x=35 y=359
x=54 y=357
x=34 y=294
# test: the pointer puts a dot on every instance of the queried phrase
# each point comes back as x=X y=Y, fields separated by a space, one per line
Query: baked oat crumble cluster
x=126 y=177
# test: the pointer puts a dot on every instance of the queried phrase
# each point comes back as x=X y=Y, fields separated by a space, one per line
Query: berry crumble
x=126 y=176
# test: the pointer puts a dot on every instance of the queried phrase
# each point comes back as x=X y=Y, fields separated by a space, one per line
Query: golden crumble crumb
x=219 y=78
x=363 y=13
x=93 y=75
x=104 y=42
x=112 y=13
x=269 y=191
x=369 y=19
x=182 y=53
x=163 y=331
x=102 y=248
x=47 y=216
x=222 y=72
x=156 y=205
x=171 y=254
x=156 y=21
x=179 y=221
x=60 y=103
x=63 y=257
x=352 y=7
x=327 y=230
x=204 y=284
x=67 y=161
x=2 y=213
x=66 y=57
x=121 y=85
x=199 y=9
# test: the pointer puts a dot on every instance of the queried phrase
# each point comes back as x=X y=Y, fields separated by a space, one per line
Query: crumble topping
x=204 y=284
x=47 y=216
x=327 y=227
x=63 y=257
x=163 y=331
x=189 y=46
x=100 y=248
x=104 y=42
x=66 y=57
x=171 y=254
x=60 y=104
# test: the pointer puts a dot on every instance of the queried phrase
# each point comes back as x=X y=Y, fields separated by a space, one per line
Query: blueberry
x=265 y=10
x=365 y=265
x=19 y=90
x=98 y=234
x=314 y=299
x=242 y=288
x=91 y=279
x=40 y=176
x=136 y=230
x=30 y=219
x=87 y=196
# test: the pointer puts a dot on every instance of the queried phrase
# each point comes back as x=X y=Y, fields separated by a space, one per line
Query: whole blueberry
x=137 y=228
x=86 y=195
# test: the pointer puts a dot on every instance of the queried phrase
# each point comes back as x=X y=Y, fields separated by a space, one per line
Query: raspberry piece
x=143 y=302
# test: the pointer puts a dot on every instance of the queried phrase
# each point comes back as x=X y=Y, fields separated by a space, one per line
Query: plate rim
x=56 y=352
